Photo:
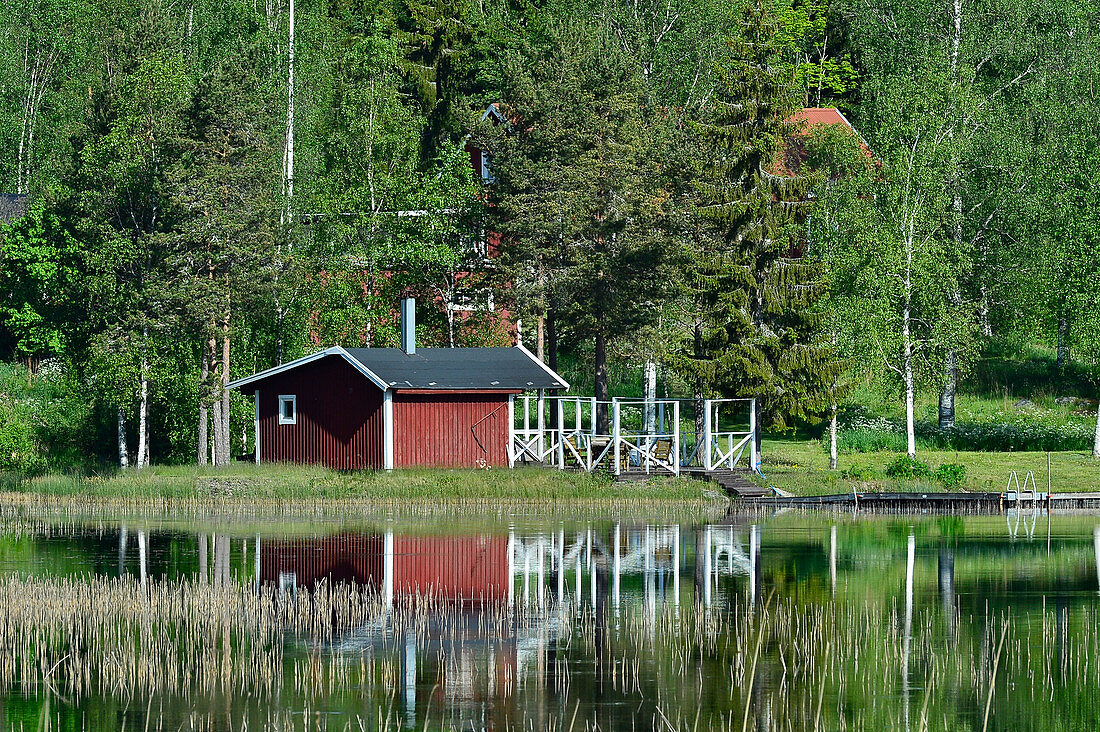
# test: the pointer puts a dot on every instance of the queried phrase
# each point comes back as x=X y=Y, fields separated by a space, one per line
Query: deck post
x=707 y=429
x=615 y=433
x=752 y=434
x=527 y=417
x=592 y=416
x=541 y=420
x=561 y=436
x=676 y=437
x=511 y=430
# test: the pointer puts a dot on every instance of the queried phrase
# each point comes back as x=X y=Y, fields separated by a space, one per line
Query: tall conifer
x=757 y=332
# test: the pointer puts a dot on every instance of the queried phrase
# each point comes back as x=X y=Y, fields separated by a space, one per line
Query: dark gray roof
x=457 y=368
x=12 y=206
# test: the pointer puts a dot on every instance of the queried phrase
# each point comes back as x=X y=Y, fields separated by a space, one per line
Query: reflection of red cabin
x=445 y=567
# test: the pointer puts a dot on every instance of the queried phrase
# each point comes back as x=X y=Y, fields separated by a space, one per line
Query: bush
x=44 y=421
x=907 y=468
x=19 y=450
x=859 y=472
x=950 y=475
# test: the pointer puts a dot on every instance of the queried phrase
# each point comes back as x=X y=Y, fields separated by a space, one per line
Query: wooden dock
x=933 y=502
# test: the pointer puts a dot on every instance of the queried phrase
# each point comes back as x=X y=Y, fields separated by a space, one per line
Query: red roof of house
x=805 y=121
x=821 y=116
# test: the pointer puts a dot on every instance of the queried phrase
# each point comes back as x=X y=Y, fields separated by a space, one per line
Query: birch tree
x=45 y=51
x=894 y=250
x=125 y=196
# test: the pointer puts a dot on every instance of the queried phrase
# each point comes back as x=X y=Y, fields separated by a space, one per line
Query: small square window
x=288 y=409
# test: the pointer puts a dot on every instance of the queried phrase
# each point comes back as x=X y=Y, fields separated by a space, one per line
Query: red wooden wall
x=449 y=430
x=340 y=421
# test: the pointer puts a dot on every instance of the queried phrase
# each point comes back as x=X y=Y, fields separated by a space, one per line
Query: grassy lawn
x=802 y=467
x=245 y=481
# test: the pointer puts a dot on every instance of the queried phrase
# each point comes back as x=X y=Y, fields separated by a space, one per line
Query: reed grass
x=783 y=665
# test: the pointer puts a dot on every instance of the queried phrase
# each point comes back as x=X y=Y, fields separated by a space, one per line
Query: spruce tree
x=758 y=330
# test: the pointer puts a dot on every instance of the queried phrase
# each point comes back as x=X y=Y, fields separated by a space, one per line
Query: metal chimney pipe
x=408 y=325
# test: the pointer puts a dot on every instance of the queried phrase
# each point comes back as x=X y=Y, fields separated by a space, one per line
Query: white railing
x=641 y=435
x=529 y=440
x=651 y=448
x=725 y=448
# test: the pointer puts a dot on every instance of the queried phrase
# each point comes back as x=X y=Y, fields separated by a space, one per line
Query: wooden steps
x=735 y=483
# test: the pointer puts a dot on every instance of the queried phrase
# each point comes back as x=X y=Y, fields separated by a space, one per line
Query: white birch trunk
x=143 y=410
x=451 y=319
x=832 y=439
x=123 y=448
x=290 y=120
x=1096 y=435
x=907 y=352
x=907 y=369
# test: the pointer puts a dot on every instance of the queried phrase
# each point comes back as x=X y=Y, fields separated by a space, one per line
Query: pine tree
x=757 y=333
x=580 y=198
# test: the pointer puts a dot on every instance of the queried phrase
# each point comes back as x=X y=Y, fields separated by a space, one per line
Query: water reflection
x=628 y=625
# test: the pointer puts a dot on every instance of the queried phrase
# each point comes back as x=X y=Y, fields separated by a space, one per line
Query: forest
x=216 y=187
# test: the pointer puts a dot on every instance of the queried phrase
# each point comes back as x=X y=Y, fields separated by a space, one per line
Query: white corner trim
x=387 y=430
x=544 y=367
x=256 y=426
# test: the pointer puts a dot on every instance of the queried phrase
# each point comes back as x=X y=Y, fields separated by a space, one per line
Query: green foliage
x=951 y=475
x=637 y=202
x=45 y=419
x=814 y=49
x=758 y=331
x=907 y=468
x=580 y=197
x=859 y=472
x=39 y=283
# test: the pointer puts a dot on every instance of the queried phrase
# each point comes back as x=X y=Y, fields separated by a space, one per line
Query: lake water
x=791 y=621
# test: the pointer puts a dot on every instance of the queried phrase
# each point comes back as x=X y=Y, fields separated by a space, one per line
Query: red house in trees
x=383 y=408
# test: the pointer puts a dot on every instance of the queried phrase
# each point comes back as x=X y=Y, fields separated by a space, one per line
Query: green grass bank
x=801 y=466
x=288 y=482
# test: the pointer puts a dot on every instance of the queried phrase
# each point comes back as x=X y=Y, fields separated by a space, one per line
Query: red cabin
x=383 y=408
